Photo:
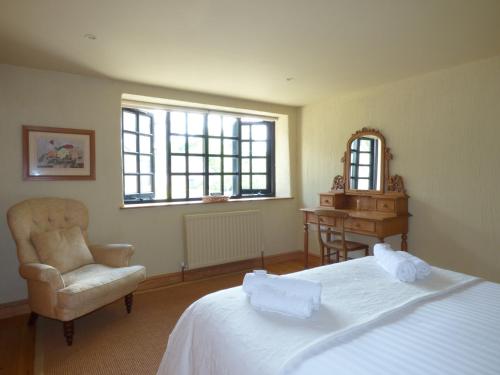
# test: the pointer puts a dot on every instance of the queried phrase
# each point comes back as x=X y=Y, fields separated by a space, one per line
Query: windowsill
x=188 y=203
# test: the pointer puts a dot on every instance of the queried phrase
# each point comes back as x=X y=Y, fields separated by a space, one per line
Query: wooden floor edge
x=10 y=309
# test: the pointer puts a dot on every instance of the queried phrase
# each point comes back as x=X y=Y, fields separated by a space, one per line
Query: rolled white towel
x=269 y=299
x=422 y=267
x=395 y=264
x=290 y=286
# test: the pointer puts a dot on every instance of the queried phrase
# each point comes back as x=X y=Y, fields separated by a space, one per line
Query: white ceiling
x=247 y=48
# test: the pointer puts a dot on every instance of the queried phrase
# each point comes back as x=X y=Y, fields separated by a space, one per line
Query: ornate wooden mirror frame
x=388 y=183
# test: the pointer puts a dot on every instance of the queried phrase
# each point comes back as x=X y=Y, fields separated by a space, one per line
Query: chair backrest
x=41 y=215
x=337 y=227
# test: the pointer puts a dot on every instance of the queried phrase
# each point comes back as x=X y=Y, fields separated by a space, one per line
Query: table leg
x=306 y=245
x=404 y=243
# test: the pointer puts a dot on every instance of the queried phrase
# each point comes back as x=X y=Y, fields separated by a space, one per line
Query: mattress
x=367 y=322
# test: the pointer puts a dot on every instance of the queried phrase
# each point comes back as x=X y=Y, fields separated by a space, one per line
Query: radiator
x=222 y=237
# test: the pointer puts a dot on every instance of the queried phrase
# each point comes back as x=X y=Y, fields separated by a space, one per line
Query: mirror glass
x=365 y=163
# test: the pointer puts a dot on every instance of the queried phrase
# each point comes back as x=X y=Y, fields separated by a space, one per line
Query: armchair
x=68 y=278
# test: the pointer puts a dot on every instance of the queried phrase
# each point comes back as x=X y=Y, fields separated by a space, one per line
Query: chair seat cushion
x=63 y=249
x=95 y=285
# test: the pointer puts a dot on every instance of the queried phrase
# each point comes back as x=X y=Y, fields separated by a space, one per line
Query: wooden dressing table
x=378 y=206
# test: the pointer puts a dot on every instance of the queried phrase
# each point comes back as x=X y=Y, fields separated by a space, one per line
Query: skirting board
x=21 y=307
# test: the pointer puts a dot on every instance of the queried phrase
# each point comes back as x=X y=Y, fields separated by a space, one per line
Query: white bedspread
x=222 y=334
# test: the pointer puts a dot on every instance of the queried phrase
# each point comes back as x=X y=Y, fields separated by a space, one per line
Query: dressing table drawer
x=386 y=205
x=326 y=200
x=362 y=225
x=327 y=221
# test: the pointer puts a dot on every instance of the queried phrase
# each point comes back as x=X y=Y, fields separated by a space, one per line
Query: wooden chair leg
x=32 y=319
x=69 y=329
x=129 y=300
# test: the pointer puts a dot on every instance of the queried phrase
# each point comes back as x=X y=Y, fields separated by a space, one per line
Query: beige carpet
x=110 y=341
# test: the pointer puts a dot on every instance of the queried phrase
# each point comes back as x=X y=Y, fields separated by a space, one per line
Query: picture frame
x=58 y=153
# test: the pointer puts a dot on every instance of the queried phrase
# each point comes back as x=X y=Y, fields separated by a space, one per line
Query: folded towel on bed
x=270 y=299
x=422 y=267
x=290 y=286
x=398 y=266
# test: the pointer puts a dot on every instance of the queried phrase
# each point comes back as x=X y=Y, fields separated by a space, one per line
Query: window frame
x=138 y=197
x=270 y=173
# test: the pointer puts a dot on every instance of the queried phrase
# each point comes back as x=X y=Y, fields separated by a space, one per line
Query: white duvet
x=222 y=334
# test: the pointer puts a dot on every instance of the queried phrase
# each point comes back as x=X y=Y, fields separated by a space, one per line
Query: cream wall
x=36 y=97
x=444 y=131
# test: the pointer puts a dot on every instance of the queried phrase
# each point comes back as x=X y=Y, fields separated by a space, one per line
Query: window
x=195 y=153
x=364 y=163
x=138 y=158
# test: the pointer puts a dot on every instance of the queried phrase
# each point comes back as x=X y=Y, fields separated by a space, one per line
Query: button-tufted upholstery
x=41 y=215
x=66 y=296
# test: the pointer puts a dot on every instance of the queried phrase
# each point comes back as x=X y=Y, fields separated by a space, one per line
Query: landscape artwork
x=58 y=153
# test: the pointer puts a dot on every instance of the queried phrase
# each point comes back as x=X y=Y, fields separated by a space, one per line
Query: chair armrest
x=43 y=273
x=113 y=255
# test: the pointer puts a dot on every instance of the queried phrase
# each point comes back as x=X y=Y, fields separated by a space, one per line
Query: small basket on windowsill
x=214 y=198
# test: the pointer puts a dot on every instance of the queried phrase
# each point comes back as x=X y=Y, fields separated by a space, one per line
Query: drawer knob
x=385 y=205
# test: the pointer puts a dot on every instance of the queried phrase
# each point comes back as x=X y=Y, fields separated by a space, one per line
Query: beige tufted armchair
x=67 y=295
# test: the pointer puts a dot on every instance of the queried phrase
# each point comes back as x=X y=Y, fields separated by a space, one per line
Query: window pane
x=130 y=185
x=178 y=187
x=178 y=144
x=245 y=182
x=364 y=172
x=145 y=124
x=245 y=148
x=214 y=184
x=145 y=144
x=363 y=184
x=365 y=145
x=195 y=123
x=146 y=184
x=178 y=122
x=245 y=165
x=353 y=171
x=259 y=132
x=230 y=126
x=245 y=131
x=130 y=163
x=178 y=164
x=354 y=157
x=364 y=158
x=214 y=125
x=145 y=163
x=214 y=164
x=259 y=182
x=195 y=186
x=259 y=148
x=196 y=164
x=129 y=142
x=214 y=146
x=230 y=147
x=129 y=121
x=230 y=165
x=195 y=145
x=259 y=165
x=231 y=185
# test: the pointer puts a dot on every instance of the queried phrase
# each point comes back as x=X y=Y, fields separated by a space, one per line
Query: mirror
x=364 y=162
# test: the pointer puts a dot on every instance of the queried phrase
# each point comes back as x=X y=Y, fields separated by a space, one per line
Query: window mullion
x=205 y=164
x=169 y=158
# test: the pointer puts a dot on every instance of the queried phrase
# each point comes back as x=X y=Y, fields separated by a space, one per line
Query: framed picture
x=58 y=153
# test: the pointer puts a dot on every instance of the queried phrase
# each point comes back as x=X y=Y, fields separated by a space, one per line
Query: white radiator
x=222 y=237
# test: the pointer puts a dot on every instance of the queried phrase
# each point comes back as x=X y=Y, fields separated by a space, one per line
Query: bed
x=368 y=323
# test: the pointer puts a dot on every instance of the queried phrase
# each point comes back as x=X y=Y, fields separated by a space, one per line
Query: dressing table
x=376 y=202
